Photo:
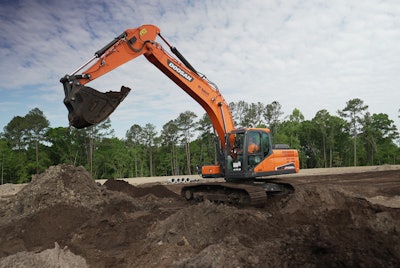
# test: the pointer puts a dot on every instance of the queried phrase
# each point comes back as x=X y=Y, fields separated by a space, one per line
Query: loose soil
x=63 y=218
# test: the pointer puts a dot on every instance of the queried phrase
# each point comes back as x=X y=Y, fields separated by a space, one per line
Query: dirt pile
x=65 y=205
x=314 y=227
x=44 y=212
x=50 y=258
x=329 y=221
x=59 y=185
x=124 y=187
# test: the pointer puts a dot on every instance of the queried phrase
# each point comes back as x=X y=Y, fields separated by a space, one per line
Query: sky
x=305 y=54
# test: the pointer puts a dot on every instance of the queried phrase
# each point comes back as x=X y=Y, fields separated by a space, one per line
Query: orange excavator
x=245 y=155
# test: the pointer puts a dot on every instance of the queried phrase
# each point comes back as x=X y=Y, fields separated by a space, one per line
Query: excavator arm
x=88 y=106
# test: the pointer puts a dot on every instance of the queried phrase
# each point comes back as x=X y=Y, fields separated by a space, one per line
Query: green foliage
x=28 y=145
x=378 y=136
x=186 y=124
x=354 y=111
x=112 y=159
x=14 y=133
x=12 y=169
x=206 y=140
x=24 y=133
x=272 y=114
x=64 y=147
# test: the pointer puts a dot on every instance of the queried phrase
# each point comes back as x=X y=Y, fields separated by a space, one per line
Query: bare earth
x=345 y=217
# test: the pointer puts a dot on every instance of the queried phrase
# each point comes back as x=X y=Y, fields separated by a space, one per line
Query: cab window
x=254 y=143
x=266 y=144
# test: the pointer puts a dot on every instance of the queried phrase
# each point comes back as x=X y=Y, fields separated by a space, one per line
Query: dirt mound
x=63 y=184
x=124 y=187
x=327 y=227
x=326 y=222
x=52 y=208
x=50 y=258
x=334 y=231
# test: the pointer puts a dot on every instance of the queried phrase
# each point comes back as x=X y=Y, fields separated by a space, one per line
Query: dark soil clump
x=124 y=187
x=63 y=215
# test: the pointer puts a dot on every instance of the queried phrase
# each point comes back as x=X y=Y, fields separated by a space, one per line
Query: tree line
x=354 y=136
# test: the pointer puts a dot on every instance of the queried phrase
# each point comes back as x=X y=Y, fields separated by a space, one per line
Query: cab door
x=245 y=150
x=235 y=154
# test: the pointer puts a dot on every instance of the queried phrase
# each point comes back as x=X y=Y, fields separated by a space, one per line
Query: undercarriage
x=238 y=194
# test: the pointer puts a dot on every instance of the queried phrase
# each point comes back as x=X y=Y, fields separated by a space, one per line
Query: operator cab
x=246 y=148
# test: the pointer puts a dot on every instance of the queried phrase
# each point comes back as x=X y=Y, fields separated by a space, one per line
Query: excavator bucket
x=87 y=106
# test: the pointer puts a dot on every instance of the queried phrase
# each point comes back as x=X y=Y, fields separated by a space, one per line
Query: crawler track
x=230 y=193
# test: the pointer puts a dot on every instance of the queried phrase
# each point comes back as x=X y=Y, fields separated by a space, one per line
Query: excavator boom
x=88 y=106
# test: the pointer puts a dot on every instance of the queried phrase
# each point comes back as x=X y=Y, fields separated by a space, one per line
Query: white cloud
x=306 y=55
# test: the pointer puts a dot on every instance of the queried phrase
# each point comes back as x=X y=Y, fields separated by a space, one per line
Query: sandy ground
x=342 y=217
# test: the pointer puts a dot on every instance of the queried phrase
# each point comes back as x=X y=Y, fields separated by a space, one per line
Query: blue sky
x=309 y=55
